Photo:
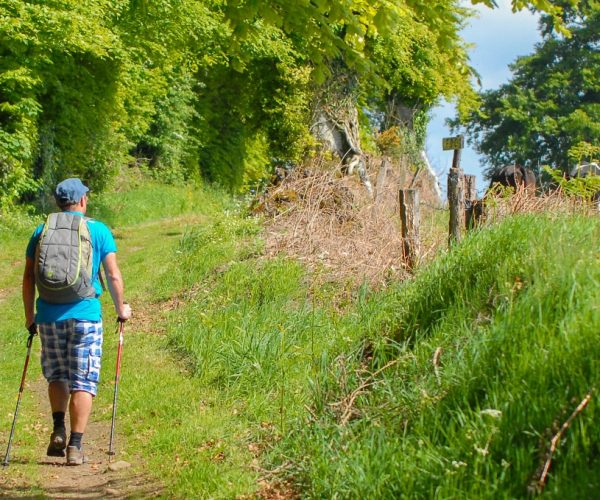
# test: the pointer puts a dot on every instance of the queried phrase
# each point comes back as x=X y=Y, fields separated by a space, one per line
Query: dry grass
x=331 y=223
x=506 y=203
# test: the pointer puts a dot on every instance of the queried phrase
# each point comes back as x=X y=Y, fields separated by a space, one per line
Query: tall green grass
x=244 y=334
x=272 y=364
x=514 y=312
x=149 y=200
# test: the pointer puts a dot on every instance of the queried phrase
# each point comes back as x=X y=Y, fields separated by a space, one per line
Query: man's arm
x=29 y=292
x=115 y=286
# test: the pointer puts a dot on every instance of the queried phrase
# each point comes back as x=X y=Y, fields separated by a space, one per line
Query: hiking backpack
x=63 y=259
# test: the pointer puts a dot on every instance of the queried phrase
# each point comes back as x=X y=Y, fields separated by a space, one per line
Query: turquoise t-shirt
x=103 y=243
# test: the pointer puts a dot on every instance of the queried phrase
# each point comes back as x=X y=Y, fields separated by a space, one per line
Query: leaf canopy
x=551 y=103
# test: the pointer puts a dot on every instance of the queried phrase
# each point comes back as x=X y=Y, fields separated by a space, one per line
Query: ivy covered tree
x=423 y=60
x=552 y=102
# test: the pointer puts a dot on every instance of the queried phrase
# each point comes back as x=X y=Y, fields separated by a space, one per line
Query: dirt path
x=97 y=478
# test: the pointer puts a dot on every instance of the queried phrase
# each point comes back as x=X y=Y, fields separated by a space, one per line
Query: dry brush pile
x=329 y=221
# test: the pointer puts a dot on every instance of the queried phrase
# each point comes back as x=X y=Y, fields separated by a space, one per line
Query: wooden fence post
x=381 y=179
x=456 y=198
x=409 y=215
x=456 y=205
x=470 y=189
x=470 y=182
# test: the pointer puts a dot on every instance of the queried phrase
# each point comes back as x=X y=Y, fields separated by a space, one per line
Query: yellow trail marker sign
x=449 y=143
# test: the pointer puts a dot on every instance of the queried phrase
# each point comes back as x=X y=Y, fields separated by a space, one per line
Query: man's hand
x=124 y=312
x=32 y=328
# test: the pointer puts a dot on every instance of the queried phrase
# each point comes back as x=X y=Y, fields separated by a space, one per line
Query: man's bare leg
x=58 y=393
x=80 y=408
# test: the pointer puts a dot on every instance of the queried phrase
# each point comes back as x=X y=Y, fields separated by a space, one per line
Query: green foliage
x=81 y=82
x=257 y=165
x=581 y=187
x=398 y=141
x=236 y=336
x=171 y=144
x=58 y=61
x=584 y=151
x=551 y=103
x=218 y=88
x=320 y=30
x=254 y=114
x=14 y=183
x=424 y=58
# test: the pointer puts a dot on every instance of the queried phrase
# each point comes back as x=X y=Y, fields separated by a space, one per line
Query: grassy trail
x=152 y=381
x=172 y=424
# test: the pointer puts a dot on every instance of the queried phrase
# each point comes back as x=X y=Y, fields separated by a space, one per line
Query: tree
x=423 y=60
x=217 y=88
x=552 y=102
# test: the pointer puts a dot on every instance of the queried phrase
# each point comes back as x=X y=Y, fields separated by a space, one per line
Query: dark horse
x=515 y=176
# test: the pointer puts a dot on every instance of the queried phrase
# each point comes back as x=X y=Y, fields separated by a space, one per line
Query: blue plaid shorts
x=71 y=352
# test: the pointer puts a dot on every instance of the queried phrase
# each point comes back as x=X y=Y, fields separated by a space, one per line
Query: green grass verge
x=257 y=342
x=147 y=200
x=513 y=316
x=14 y=234
x=241 y=335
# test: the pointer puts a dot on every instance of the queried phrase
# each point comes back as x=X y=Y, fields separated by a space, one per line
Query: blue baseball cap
x=70 y=191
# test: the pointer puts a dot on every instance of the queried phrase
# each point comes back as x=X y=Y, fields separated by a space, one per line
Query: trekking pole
x=32 y=333
x=117 y=378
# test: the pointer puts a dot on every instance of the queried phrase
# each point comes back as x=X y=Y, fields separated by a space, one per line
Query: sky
x=500 y=36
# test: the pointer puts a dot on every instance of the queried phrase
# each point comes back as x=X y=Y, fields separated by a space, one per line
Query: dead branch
x=556 y=440
x=414 y=179
x=348 y=402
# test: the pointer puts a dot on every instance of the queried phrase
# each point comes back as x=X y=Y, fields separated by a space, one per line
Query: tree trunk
x=399 y=114
x=335 y=124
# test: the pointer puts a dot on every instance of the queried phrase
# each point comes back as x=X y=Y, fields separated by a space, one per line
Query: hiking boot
x=58 y=443
x=75 y=455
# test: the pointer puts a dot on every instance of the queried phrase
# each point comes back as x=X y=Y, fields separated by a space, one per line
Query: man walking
x=63 y=259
